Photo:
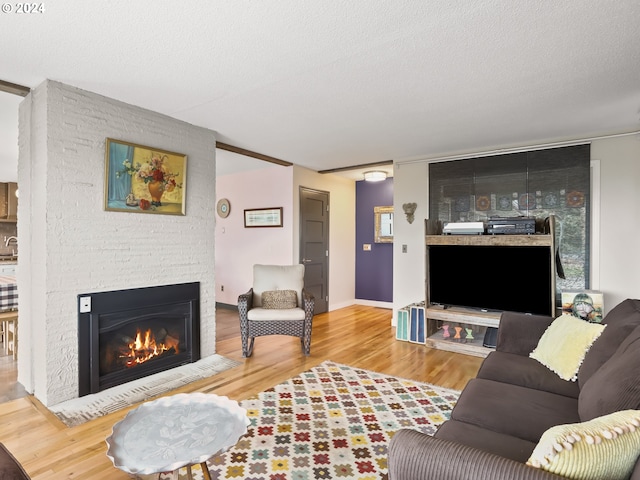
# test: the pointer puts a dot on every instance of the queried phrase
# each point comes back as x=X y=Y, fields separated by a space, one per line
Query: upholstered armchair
x=277 y=304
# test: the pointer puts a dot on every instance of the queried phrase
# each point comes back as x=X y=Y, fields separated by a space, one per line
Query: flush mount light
x=375 y=176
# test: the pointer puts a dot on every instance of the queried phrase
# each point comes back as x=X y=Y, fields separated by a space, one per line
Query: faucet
x=7 y=240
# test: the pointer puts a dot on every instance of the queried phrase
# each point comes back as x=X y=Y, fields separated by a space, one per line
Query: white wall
x=615 y=237
x=69 y=245
x=410 y=185
x=239 y=248
x=8 y=139
x=342 y=231
x=619 y=227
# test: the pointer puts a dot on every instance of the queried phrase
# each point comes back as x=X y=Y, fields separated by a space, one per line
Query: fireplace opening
x=126 y=348
x=129 y=334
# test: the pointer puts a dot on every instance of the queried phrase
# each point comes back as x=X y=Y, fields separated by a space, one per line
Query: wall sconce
x=375 y=176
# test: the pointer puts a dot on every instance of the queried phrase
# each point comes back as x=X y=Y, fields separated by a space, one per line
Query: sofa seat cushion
x=526 y=372
x=513 y=410
x=615 y=386
x=478 y=437
x=266 y=314
x=621 y=321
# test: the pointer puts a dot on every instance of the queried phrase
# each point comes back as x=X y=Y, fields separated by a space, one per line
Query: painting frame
x=143 y=179
x=587 y=305
x=263 y=217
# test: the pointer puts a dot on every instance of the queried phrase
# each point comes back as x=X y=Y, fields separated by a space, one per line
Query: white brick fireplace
x=70 y=245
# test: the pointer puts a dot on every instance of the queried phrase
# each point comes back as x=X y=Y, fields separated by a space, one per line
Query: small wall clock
x=223 y=208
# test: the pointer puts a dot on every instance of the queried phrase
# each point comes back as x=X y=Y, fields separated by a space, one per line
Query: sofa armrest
x=519 y=333
x=415 y=456
x=10 y=468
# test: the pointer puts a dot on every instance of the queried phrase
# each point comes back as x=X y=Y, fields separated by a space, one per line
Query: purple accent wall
x=374 y=269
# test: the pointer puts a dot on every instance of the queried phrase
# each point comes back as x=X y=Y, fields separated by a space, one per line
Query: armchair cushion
x=276 y=277
x=270 y=314
x=279 y=299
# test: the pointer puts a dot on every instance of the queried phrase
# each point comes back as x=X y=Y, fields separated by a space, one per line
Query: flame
x=142 y=350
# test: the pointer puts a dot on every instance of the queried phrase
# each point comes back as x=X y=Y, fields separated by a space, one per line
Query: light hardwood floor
x=358 y=336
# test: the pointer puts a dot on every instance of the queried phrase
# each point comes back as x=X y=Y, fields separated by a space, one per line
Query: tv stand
x=466 y=318
x=478 y=321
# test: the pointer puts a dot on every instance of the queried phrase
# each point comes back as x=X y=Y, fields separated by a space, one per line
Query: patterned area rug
x=79 y=410
x=331 y=422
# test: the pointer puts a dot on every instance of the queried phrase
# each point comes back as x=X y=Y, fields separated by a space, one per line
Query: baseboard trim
x=374 y=303
x=226 y=306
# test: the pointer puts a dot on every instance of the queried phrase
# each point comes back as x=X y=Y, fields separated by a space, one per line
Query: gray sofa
x=502 y=413
x=10 y=468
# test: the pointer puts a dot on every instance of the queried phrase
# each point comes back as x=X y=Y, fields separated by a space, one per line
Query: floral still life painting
x=144 y=179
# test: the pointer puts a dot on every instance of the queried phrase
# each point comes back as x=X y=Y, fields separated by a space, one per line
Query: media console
x=474 y=322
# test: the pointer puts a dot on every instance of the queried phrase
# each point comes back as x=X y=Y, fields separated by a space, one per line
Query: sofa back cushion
x=621 y=321
x=615 y=385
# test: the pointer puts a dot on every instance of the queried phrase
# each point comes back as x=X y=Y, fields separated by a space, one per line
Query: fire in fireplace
x=139 y=351
x=129 y=334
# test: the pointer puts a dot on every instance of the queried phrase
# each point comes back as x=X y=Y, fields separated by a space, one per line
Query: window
x=537 y=184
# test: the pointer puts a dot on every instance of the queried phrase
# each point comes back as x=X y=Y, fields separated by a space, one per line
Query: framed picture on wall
x=144 y=179
x=263 y=217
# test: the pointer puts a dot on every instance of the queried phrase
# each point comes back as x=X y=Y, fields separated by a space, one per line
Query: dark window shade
x=538 y=183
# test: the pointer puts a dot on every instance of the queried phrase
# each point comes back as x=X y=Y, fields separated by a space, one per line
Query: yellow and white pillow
x=564 y=344
x=605 y=448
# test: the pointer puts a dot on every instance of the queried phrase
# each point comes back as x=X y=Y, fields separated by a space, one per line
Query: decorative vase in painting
x=156 y=189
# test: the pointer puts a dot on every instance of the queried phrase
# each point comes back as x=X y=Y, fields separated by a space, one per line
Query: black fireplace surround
x=129 y=334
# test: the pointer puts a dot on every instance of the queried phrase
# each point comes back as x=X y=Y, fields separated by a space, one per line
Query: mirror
x=383 y=221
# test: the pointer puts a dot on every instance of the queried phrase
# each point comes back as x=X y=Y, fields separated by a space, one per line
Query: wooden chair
x=9 y=322
x=277 y=304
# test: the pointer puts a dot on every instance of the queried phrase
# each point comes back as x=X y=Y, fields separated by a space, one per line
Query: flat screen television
x=492 y=278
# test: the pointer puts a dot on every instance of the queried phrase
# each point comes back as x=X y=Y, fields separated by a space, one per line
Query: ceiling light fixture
x=375 y=176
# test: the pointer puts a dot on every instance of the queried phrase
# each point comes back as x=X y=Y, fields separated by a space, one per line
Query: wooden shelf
x=535 y=240
x=464 y=315
x=473 y=347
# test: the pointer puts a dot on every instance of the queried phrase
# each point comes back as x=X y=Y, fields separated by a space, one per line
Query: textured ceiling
x=327 y=84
